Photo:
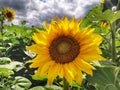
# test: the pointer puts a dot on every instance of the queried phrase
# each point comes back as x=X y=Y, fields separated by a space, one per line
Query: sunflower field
x=65 y=54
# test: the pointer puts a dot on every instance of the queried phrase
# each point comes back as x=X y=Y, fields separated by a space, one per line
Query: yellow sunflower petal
x=65 y=25
x=72 y=23
x=68 y=74
x=59 y=22
x=83 y=47
x=72 y=68
x=80 y=21
x=36 y=48
x=40 y=38
x=78 y=77
x=88 y=47
x=46 y=25
x=38 y=61
x=98 y=39
x=52 y=74
x=90 y=50
x=84 y=66
x=44 y=70
x=85 y=33
x=40 y=58
x=93 y=39
x=92 y=57
x=60 y=70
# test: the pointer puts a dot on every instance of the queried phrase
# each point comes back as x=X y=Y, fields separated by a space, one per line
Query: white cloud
x=37 y=11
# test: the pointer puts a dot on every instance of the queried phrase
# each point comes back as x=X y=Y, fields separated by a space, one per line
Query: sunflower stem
x=1 y=28
x=1 y=23
x=113 y=43
x=65 y=84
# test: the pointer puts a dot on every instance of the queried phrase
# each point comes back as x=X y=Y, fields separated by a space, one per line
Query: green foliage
x=105 y=78
x=37 y=88
x=23 y=22
x=5 y=60
x=39 y=78
x=21 y=83
x=92 y=16
x=111 y=16
x=5 y=72
x=16 y=75
x=18 y=32
x=96 y=15
x=47 y=87
x=17 y=83
x=53 y=87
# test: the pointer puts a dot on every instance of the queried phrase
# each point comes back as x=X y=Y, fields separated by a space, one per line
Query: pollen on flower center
x=64 y=49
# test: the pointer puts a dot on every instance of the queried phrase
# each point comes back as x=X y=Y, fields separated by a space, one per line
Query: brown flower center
x=64 y=49
x=9 y=14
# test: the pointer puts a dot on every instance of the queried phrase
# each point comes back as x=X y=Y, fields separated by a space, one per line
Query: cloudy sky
x=36 y=11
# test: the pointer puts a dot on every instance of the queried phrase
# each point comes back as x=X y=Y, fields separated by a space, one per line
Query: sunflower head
x=102 y=1
x=104 y=24
x=9 y=14
x=64 y=50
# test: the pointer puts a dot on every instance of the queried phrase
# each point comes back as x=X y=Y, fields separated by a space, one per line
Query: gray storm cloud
x=36 y=11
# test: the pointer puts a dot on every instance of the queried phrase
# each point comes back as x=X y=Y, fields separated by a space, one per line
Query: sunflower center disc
x=64 y=49
x=9 y=14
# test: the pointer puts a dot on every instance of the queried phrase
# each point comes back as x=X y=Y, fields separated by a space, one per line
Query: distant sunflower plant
x=104 y=24
x=9 y=14
x=64 y=50
x=102 y=1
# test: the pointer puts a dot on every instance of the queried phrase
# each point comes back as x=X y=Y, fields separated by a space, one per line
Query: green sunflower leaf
x=111 y=16
x=108 y=15
x=38 y=77
x=110 y=87
x=104 y=78
x=47 y=87
x=5 y=88
x=4 y=60
x=37 y=88
x=5 y=72
x=96 y=14
x=20 y=31
x=21 y=83
x=53 y=87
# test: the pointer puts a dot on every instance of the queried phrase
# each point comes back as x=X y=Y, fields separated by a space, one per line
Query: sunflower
x=102 y=1
x=65 y=51
x=104 y=24
x=9 y=14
